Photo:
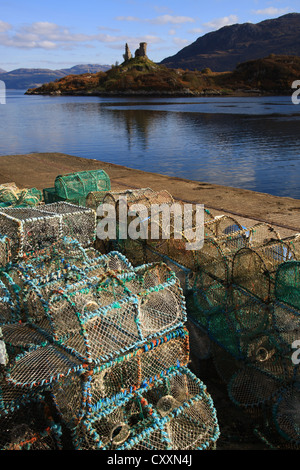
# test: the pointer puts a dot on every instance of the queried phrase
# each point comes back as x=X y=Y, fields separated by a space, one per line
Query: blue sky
x=60 y=34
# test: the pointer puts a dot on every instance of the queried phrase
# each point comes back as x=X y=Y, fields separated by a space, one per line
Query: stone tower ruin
x=127 y=55
x=142 y=50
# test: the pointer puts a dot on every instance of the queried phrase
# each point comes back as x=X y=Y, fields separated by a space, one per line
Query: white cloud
x=172 y=32
x=180 y=42
x=128 y=18
x=167 y=19
x=272 y=11
x=46 y=35
x=195 y=30
x=160 y=20
x=42 y=35
x=220 y=22
x=4 y=26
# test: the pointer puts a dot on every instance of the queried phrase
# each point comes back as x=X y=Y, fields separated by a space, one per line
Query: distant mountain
x=2 y=71
x=224 y=49
x=22 y=79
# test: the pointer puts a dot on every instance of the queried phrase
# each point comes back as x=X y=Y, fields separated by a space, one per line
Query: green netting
x=79 y=184
x=50 y=196
x=287 y=284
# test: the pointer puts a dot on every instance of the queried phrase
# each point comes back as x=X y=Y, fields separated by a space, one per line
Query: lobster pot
x=275 y=253
x=88 y=391
x=250 y=272
x=123 y=200
x=286 y=416
x=112 y=197
x=260 y=234
x=76 y=186
x=28 y=428
x=252 y=388
x=74 y=279
x=221 y=225
x=29 y=229
x=174 y=413
x=231 y=244
x=101 y=318
x=265 y=357
x=77 y=222
x=97 y=333
x=94 y=199
x=287 y=283
x=212 y=261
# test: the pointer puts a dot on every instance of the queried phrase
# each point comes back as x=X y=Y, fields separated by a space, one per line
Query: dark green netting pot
x=287 y=283
x=79 y=184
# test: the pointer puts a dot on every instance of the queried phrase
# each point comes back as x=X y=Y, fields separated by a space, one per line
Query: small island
x=138 y=75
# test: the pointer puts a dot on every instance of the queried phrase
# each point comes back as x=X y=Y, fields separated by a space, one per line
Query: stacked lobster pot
x=107 y=343
x=161 y=240
x=33 y=229
x=242 y=292
x=246 y=299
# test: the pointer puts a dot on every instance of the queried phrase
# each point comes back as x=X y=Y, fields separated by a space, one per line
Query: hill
x=224 y=49
x=141 y=76
x=24 y=78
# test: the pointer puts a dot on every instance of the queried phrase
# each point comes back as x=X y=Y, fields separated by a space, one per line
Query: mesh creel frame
x=90 y=391
x=221 y=225
x=95 y=198
x=29 y=229
x=102 y=333
x=11 y=299
x=262 y=233
x=77 y=222
x=212 y=261
x=37 y=291
x=250 y=387
x=146 y=302
x=250 y=272
x=72 y=185
x=274 y=253
x=174 y=413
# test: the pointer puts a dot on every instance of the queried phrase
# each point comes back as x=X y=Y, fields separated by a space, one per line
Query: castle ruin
x=140 y=52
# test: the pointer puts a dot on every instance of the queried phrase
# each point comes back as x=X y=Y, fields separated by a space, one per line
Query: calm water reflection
x=251 y=143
